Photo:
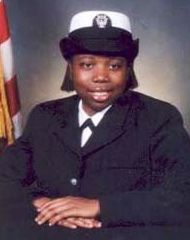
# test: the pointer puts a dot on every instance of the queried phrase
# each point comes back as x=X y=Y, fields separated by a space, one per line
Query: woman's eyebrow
x=84 y=57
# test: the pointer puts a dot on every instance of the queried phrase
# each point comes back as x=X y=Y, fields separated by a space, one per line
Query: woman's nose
x=101 y=76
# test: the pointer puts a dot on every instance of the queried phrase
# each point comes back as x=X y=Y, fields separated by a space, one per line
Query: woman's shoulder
x=54 y=107
x=49 y=111
x=153 y=112
x=57 y=104
x=152 y=105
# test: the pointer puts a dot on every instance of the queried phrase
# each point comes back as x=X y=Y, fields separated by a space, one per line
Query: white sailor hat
x=100 y=19
x=100 y=32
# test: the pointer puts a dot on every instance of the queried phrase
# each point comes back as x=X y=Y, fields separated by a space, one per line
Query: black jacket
x=137 y=163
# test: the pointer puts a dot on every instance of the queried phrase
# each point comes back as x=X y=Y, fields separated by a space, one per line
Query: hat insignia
x=102 y=21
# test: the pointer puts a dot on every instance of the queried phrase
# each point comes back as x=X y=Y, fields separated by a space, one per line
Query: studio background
x=162 y=67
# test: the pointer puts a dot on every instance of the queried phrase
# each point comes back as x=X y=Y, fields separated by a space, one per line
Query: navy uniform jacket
x=137 y=163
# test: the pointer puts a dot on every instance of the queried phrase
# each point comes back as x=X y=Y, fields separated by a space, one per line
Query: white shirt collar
x=96 y=118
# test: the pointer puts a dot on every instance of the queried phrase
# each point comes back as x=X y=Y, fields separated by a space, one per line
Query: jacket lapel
x=115 y=122
x=67 y=128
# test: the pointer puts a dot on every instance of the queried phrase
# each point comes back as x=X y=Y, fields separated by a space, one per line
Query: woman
x=123 y=173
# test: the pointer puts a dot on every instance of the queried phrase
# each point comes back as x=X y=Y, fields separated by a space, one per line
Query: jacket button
x=73 y=181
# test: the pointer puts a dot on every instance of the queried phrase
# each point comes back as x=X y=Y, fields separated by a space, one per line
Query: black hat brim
x=110 y=42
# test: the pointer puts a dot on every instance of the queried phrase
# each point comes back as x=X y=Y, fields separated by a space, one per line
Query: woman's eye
x=86 y=65
x=114 y=66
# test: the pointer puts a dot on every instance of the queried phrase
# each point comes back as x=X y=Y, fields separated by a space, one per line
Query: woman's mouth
x=100 y=95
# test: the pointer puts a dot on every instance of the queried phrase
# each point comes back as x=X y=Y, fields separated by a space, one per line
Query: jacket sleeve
x=18 y=184
x=17 y=177
x=167 y=201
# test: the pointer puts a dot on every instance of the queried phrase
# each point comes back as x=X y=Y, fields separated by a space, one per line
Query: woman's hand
x=68 y=211
x=40 y=201
x=80 y=222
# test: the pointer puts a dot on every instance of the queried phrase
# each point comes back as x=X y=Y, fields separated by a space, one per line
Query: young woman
x=107 y=162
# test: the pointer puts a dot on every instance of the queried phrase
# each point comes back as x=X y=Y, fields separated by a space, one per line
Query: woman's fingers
x=53 y=203
x=80 y=222
x=40 y=201
x=53 y=214
x=68 y=207
x=69 y=223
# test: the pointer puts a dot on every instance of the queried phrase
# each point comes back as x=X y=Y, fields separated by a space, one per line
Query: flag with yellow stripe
x=5 y=118
x=10 y=116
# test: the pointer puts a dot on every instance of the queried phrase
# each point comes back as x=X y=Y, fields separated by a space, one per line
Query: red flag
x=9 y=76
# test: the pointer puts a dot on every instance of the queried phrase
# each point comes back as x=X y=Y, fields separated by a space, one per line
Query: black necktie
x=88 y=123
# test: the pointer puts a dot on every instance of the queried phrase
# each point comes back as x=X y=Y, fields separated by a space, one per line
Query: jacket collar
x=114 y=123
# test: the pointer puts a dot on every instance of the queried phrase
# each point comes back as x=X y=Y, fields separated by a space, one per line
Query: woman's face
x=98 y=80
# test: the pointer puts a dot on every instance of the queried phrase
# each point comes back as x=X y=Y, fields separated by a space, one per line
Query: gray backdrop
x=162 y=67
